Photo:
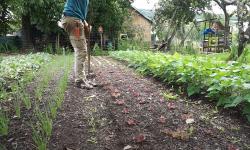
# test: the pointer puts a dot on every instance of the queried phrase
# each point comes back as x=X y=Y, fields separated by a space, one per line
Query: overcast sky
x=150 y=4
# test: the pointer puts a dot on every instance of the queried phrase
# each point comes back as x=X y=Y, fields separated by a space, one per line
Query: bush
x=9 y=44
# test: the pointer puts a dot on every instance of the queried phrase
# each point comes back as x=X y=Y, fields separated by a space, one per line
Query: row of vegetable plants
x=15 y=73
x=42 y=68
x=47 y=112
x=228 y=83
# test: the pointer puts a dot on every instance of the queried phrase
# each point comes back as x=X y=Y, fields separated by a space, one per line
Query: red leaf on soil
x=232 y=147
x=162 y=119
x=150 y=108
x=142 y=102
x=136 y=94
x=186 y=116
x=125 y=111
x=179 y=134
x=161 y=100
x=120 y=102
x=115 y=93
x=131 y=122
x=171 y=106
x=139 y=138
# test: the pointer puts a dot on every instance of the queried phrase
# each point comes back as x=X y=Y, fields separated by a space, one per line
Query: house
x=142 y=23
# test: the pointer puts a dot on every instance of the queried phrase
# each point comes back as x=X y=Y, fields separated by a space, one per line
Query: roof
x=146 y=13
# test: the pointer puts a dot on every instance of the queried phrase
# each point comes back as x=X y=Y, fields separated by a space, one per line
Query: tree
x=110 y=14
x=176 y=13
x=39 y=17
x=5 y=16
x=243 y=16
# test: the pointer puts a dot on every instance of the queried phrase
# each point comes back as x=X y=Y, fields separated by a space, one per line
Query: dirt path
x=129 y=112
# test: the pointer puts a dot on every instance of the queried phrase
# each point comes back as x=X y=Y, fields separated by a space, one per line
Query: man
x=74 y=23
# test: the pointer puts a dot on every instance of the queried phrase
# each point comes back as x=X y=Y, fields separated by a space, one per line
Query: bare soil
x=127 y=111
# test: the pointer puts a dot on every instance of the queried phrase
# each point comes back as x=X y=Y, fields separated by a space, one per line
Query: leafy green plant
x=4 y=122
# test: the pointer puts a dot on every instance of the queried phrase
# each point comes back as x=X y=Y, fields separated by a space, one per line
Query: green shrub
x=97 y=51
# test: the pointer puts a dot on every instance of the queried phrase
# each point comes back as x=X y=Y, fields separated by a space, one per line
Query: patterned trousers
x=75 y=28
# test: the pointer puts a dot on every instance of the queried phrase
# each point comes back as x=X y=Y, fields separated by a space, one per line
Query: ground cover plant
x=227 y=83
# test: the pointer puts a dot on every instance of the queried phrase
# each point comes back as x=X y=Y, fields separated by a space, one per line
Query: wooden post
x=100 y=30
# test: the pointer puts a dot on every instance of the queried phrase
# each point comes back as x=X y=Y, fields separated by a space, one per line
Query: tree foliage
x=178 y=11
x=6 y=17
x=110 y=14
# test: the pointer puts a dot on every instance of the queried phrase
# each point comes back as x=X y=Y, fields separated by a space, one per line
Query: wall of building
x=142 y=25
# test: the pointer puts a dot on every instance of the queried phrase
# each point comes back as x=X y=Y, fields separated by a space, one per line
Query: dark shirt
x=76 y=8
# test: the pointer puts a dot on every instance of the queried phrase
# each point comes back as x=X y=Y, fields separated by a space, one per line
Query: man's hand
x=87 y=28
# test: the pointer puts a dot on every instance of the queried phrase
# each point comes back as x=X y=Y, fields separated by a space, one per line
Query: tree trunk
x=227 y=29
x=182 y=35
x=241 y=42
x=26 y=33
x=169 y=40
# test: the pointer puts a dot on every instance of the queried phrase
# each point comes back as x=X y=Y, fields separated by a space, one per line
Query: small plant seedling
x=45 y=122
x=39 y=139
x=17 y=106
x=4 y=124
x=92 y=140
x=169 y=96
x=26 y=100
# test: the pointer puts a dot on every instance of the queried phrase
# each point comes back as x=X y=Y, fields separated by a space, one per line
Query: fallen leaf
x=171 y=106
x=142 y=102
x=125 y=111
x=127 y=147
x=150 y=108
x=186 y=116
x=161 y=100
x=115 y=94
x=136 y=94
x=139 y=138
x=232 y=147
x=120 y=102
x=179 y=134
x=131 y=122
x=162 y=119
x=189 y=121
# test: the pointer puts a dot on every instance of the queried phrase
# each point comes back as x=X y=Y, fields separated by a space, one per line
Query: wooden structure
x=215 y=41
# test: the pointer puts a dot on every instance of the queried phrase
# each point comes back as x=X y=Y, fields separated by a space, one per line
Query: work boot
x=92 y=82
x=86 y=85
x=78 y=83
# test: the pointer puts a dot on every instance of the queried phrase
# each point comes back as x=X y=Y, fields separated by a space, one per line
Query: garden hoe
x=87 y=30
